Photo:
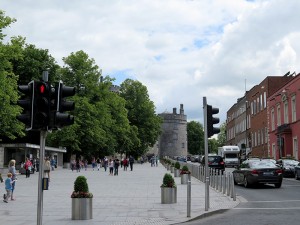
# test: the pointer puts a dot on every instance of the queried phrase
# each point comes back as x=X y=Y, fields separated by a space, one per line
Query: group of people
x=11 y=179
x=112 y=164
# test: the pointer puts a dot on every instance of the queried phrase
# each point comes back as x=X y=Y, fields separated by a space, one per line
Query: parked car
x=288 y=166
x=297 y=171
x=214 y=161
x=254 y=172
x=181 y=158
x=195 y=158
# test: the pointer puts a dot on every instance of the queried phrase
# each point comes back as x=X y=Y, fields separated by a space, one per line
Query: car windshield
x=261 y=164
x=231 y=155
x=214 y=158
x=290 y=163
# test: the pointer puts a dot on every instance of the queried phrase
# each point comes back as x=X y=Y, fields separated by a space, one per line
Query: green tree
x=222 y=135
x=9 y=126
x=141 y=114
x=213 y=145
x=195 y=136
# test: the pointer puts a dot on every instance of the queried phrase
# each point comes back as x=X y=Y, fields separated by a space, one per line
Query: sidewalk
x=132 y=198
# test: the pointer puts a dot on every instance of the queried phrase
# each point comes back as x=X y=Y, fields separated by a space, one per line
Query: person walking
x=98 y=163
x=131 y=161
x=52 y=163
x=78 y=165
x=12 y=170
x=116 y=166
x=27 y=167
x=47 y=167
x=8 y=187
x=105 y=163
x=111 y=167
x=125 y=163
x=93 y=163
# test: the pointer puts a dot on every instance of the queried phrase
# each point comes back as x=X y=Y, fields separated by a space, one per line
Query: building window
x=274 y=151
x=252 y=109
x=295 y=148
x=286 y=112
x=265 y=99
x=258 y=137
x=182 y=144
x=293 y=103
x=258 y=105
x=266 y=135
x=272 y=119
x=278 y=116
x=261 y=102
x=254 y=104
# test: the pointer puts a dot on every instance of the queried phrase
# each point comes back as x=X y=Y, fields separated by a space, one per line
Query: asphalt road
x=266 y=205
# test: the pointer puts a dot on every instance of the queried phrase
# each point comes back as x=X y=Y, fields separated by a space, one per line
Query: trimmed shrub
x=168 y=181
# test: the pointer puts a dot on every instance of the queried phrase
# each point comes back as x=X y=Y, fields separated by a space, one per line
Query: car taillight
x=209 y=163
x=254 y=172
x=278 y=172
x=222 y=163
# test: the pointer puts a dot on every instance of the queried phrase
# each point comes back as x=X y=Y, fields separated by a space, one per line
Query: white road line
x=269 y=208
x=276 y=201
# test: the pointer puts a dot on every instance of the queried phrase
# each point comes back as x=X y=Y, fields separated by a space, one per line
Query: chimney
x=181 y=109
x=174 y=111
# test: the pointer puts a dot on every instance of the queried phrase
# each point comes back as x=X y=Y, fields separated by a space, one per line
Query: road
x=266 y=205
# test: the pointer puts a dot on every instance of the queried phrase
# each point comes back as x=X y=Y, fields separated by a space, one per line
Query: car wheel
x=278 y=185
x=296 y=175
x=246 y=184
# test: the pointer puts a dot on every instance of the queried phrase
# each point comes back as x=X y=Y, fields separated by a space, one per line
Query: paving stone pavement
x=131 y=198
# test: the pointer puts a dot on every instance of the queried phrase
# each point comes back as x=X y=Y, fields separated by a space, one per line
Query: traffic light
x=211 y=130
x=26 y=102
x=61 y=117
x=41 y=105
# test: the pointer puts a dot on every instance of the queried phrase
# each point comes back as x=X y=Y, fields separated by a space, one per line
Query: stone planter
x=82 y=208
x=176 y=173
x=172 y=169
x=168 y=195
x=184 y=178
x=168 y=167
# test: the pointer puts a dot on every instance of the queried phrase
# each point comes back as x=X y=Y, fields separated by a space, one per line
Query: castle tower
x=173 y=139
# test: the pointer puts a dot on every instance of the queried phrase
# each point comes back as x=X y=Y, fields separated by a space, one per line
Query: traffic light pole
x=43 y=135
x=206 y=155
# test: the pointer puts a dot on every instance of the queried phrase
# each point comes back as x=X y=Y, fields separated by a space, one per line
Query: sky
x=181 y=50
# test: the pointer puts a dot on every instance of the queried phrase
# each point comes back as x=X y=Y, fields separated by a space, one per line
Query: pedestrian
x=111 y=167
x=12 y=170
x=98 y=163
x=93 y=163
x=125 y=163
x=116 y=166
x=27 y=167
x=73 y=164
x=131 y=161
x=52 y=163
x=47 y=167
x=78 y=166
x=85 y=164
x=8 y=187
x=105 y=163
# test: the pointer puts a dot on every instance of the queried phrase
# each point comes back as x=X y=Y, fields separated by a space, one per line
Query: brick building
x=284 y=120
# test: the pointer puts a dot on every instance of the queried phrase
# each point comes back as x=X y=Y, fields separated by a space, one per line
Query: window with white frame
x=265 y=99
x=274 y=151
x=293 y=103
x=258 y=137
x=261 y=102
x=278 y=116
x=272 y=119
x=258 y=105
x=295 y=148
x=286 y=112
x=266 y=135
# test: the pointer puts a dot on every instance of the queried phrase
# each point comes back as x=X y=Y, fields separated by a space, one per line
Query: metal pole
x=43 y=135
x=189 y=196
x=206 y=155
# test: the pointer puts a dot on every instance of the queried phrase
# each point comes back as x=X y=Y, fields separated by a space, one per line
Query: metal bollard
x=233 y=193
x=224 y=183
x=189 y=193
x=217 y=180
x=228 y=186
x=220 y=182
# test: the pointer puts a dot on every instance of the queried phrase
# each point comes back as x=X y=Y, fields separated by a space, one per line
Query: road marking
x=269 y=208
x=277 y=201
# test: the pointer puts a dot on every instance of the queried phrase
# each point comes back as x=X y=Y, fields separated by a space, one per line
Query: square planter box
x=168 y=195
x=176 y=173
x=184 y=178
x=82 y=208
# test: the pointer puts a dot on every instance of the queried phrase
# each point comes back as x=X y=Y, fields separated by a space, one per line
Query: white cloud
x=181 y=50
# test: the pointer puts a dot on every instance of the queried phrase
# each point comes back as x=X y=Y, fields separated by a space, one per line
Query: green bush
x=185 y=170
x=177 y=165
x=168 y=181
x=81 y=188
x=172 y=164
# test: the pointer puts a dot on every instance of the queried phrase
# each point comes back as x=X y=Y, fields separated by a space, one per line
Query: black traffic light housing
x=61 y=117
x=41 y=105
x=211 y=130
x=26 y=102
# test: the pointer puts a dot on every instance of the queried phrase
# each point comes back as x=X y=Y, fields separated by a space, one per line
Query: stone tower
x=173 y=139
